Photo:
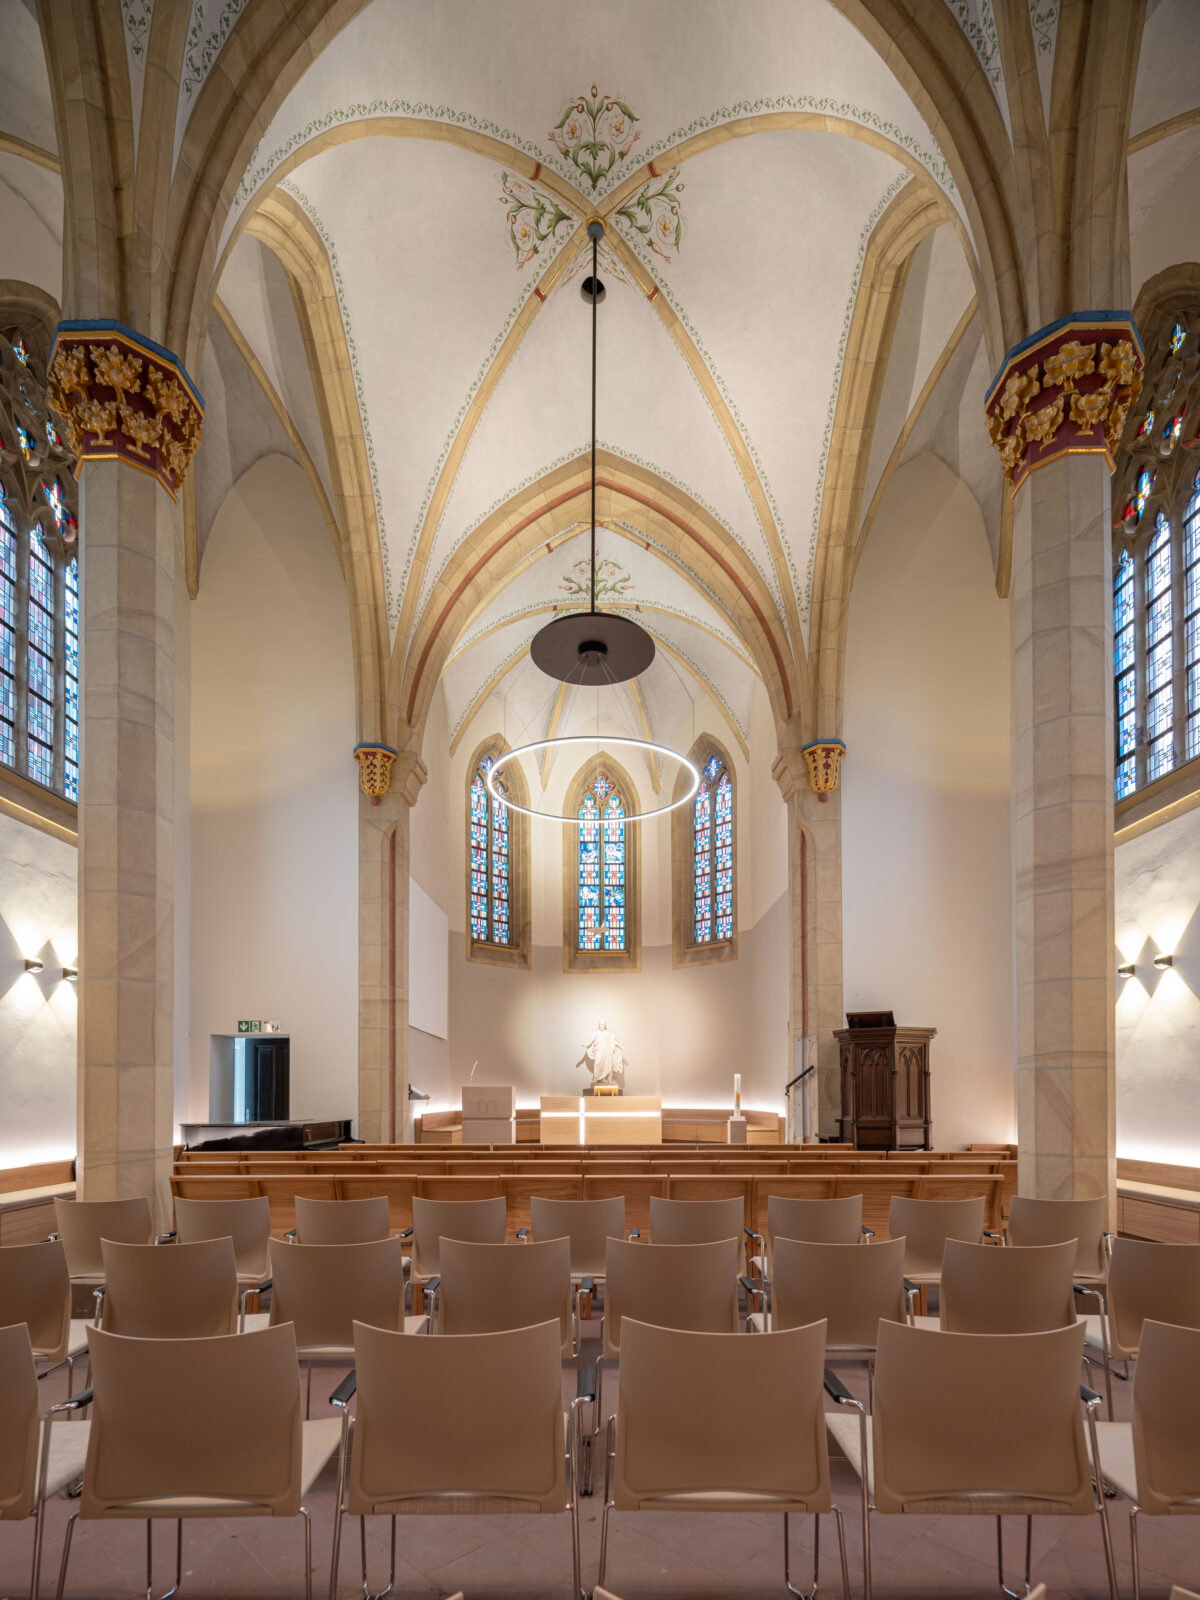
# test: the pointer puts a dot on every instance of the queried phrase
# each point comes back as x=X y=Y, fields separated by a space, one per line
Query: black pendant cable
x=593 y=647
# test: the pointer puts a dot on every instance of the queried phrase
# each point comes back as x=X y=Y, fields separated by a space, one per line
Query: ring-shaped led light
x=583 y=738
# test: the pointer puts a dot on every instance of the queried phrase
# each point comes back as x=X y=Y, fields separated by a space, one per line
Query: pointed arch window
x=601 y=882
x=497 y=865
x=704 y=850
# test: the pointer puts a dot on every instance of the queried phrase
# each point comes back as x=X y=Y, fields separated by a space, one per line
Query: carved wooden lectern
x=885 y=1083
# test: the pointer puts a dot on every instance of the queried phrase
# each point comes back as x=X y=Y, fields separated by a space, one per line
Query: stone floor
x=651 y=1556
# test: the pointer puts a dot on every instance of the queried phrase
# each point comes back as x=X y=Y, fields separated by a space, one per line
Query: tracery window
x=1156 y=566
x=602 y=863
x=39 y=580
x=491 y=861
x=704 y=848
x=498 y=929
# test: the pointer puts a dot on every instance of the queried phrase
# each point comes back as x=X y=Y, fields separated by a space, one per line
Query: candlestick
x=737 y=1093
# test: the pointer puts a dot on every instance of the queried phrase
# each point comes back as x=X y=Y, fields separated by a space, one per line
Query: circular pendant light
x=661 y=750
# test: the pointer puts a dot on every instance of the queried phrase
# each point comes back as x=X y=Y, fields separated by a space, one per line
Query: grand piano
x=265 y=1135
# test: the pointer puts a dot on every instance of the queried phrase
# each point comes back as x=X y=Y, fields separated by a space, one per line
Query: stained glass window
x=712 y=855
x=490 y=861
x=603 y=862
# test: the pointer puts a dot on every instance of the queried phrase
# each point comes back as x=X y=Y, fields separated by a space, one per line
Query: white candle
x=737 y=1091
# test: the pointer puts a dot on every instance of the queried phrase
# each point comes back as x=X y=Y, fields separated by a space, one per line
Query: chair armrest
x=431 y=1286
x=344 y=1392
x=910 y=1287
x=587 y=1286
x=758 y=1290
x=1089 y=1396
x=265 y=1284
x=405 y=1233
x=75 y=1403
x=585 y=1382
x=989 y=1234
x=98 y=1297
x=837 y=1390
x=166 y=1238
x=635 y=1233
x=292 y=1234
x=522 y=1234
x=751 y=1233
x=51 y=1238
x=868 y=1233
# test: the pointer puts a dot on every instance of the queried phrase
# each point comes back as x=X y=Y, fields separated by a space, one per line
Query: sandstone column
x=125 y=398
x=390 y=785
x=1056 y=412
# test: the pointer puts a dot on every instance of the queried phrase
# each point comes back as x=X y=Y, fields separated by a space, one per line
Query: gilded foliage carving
x=37 y=462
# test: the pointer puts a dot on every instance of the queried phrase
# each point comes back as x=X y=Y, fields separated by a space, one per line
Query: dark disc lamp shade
x=592 y=647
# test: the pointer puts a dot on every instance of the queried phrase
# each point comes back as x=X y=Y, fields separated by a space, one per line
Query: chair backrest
x=588 y=1224
x=848 y=1287
x=486 y=1409
x=699 y=1222
x=489 y=1288
x=472 y=1221
x=342 y=1221
x=1150 y=1282
x=692 y=1287
x=325 y=1288
x=181 y=1291
x=815 y=1221
x=1025 y=1289
x=242 y=1436
x=668 y=1445
x=81 y=1224
x=1166 y=1416
x=247 y=1222
x=927 y=1224
x=35 y=1290
x=19 y=1432
x=937 y=1437
x=1033 y=1221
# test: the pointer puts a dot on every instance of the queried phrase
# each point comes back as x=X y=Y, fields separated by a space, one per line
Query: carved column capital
x=1065 y=390
x=379 y=766
x=816 y=766
x=125 y=398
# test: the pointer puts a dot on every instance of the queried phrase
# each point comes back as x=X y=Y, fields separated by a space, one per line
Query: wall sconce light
x=32 y=964
x=70 y=974
x=1125 y=971
x=1164 y=961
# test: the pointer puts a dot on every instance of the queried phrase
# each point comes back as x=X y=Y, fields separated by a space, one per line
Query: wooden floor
x=652 y=1556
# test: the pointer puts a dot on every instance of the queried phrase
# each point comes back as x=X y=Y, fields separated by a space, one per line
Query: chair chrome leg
x=308 y=1395
x=1133 y=1551
x=1004 y=1589
x=362 y=1535
x=603 y=1545
x=802 y=1594
x=66 y=1555
x=178 y=1561
x=307 y=1553
x=841 y=1528
x=149 y=1559
x=1109 y=1561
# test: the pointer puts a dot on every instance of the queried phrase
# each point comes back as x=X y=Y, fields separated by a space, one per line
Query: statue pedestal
x=735 y=1131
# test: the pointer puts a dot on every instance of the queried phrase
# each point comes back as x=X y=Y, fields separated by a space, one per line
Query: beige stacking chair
x=1055 y=1221
x=1147 y=1282
x=341 y=1221
x=589 y=1225
x=850 y=1289
x=940 y=1445
x=702 y=1222
x=1026 y=1289
x=468 y=1424
x=471 y=1221
x=814 y=1221
x=690 y=1287
x=664 y=1453
x=1155 y=1460
x=35 y=1289
x=491 y=1288
x=247 y=1222
x=240 y=1449
x=81 y=1224
x=186 y=1292
x=30 y=1473
x=926 y=1225
x=325 y=1288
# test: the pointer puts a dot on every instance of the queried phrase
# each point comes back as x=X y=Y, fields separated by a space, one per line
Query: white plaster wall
x=1158 y=1013
x=274 y=810
x=926 y=853
x=685 y=1031
x=38 y=917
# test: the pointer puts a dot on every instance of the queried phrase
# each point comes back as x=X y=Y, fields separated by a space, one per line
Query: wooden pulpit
x=885 y=1083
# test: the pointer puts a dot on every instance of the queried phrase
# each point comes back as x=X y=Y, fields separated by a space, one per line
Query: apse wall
x=926 y=846
x=1158 y=1013
x=685 y=1031
x=274 y=792
x=38 y=918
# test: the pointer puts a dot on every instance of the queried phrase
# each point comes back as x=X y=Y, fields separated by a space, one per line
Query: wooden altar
x=886 y=1101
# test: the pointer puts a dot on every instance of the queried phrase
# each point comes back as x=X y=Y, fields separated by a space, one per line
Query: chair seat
x=1115 y=1442
x=76 y=1343
x=844 y=1430
x=729 y=1500
x=931 y=1324
x=68 y=1452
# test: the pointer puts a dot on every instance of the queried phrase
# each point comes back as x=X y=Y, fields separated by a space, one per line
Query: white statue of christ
x=604 y=1057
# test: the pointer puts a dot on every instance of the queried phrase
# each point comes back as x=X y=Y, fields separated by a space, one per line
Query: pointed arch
x=498 y=863
x=704 y=912
x=602 y=862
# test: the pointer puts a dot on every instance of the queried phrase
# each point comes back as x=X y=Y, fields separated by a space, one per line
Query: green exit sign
x=249 y=1027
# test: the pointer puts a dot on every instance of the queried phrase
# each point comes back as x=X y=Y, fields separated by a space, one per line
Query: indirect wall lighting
x=1164 y=961
x=70 y=974
x=32 y=964
x=1125 y=971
